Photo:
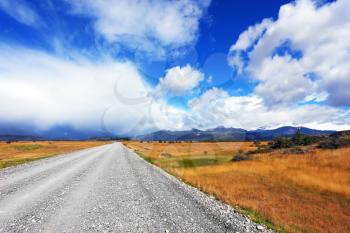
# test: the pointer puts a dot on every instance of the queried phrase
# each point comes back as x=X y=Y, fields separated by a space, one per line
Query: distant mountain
x=228 y=134
x=284 y=131
x=219 y=133
x=19 y=138
x=26 y=132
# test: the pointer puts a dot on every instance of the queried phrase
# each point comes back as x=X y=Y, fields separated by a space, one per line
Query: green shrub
x=298 y=139
x=241 y=156
x=334 y=143
x=281 y=142
x=294 y=150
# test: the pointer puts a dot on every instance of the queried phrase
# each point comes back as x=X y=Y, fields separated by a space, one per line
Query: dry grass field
x=289 y=192
x=157 y=150
x=186 y=154
x=20 y=152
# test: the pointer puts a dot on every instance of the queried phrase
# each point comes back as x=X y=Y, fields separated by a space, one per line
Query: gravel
x=108 y=189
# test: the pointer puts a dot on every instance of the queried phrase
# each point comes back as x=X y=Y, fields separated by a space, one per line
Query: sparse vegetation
x=334 y=142
x=294 y=150
x=242 y=156
x=26 y=147
x=298 y=139
x=281 y=142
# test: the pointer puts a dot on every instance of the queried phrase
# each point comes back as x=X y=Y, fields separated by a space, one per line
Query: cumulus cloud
x=47 y=90
x=21 y=12
x=216 y=107
x=152 y=26
x=245 y=41
x=305 y=52
x=179 y=81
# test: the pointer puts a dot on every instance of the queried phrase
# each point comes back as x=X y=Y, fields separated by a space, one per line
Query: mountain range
x=229 y=134
x=27 y=132
x=10 y=132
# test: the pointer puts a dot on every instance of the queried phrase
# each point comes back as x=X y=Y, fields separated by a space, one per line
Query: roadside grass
x=259 y=218
x=191 y=161
x=17 y=161
x=148 y=159
x=287 y=192
x=27 y=147
x=16 y=153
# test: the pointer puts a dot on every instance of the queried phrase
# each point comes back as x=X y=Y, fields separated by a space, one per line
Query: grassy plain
x=289 y=192
x=21 y=152
x=185 y=154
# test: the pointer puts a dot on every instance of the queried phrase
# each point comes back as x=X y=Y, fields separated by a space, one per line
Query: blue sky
x=130 y=67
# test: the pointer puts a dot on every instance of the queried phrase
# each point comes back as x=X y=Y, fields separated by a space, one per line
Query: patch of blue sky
x=312 y=102
x=312 y=76
x=286 y=48
x=180 y=102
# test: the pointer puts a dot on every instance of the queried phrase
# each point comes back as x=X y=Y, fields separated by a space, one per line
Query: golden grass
x=301 y=193
x=20 y=152
x=157 y=150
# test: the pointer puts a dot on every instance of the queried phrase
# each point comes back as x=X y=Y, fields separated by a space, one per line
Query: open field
x=186 y=154
x=156 y=149
x=290 y=192
x=20 y=152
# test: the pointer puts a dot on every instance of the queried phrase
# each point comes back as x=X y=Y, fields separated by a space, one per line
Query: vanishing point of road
x=107 y=189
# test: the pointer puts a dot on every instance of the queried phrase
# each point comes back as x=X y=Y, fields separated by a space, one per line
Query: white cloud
x=249 y=37
x=282 y=81
x=245 y=41
x=318 y=34
x=179 y=80
x=151 y=26
x=21 y=12
x=216 y=107
x=210 y=79
x=46 y=90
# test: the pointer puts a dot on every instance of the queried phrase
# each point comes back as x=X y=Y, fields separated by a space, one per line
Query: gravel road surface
x=107 y=189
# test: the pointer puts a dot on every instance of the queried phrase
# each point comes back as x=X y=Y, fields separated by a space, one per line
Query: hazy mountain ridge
x=214 y=134
x=27 y=132
x=229 y=134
